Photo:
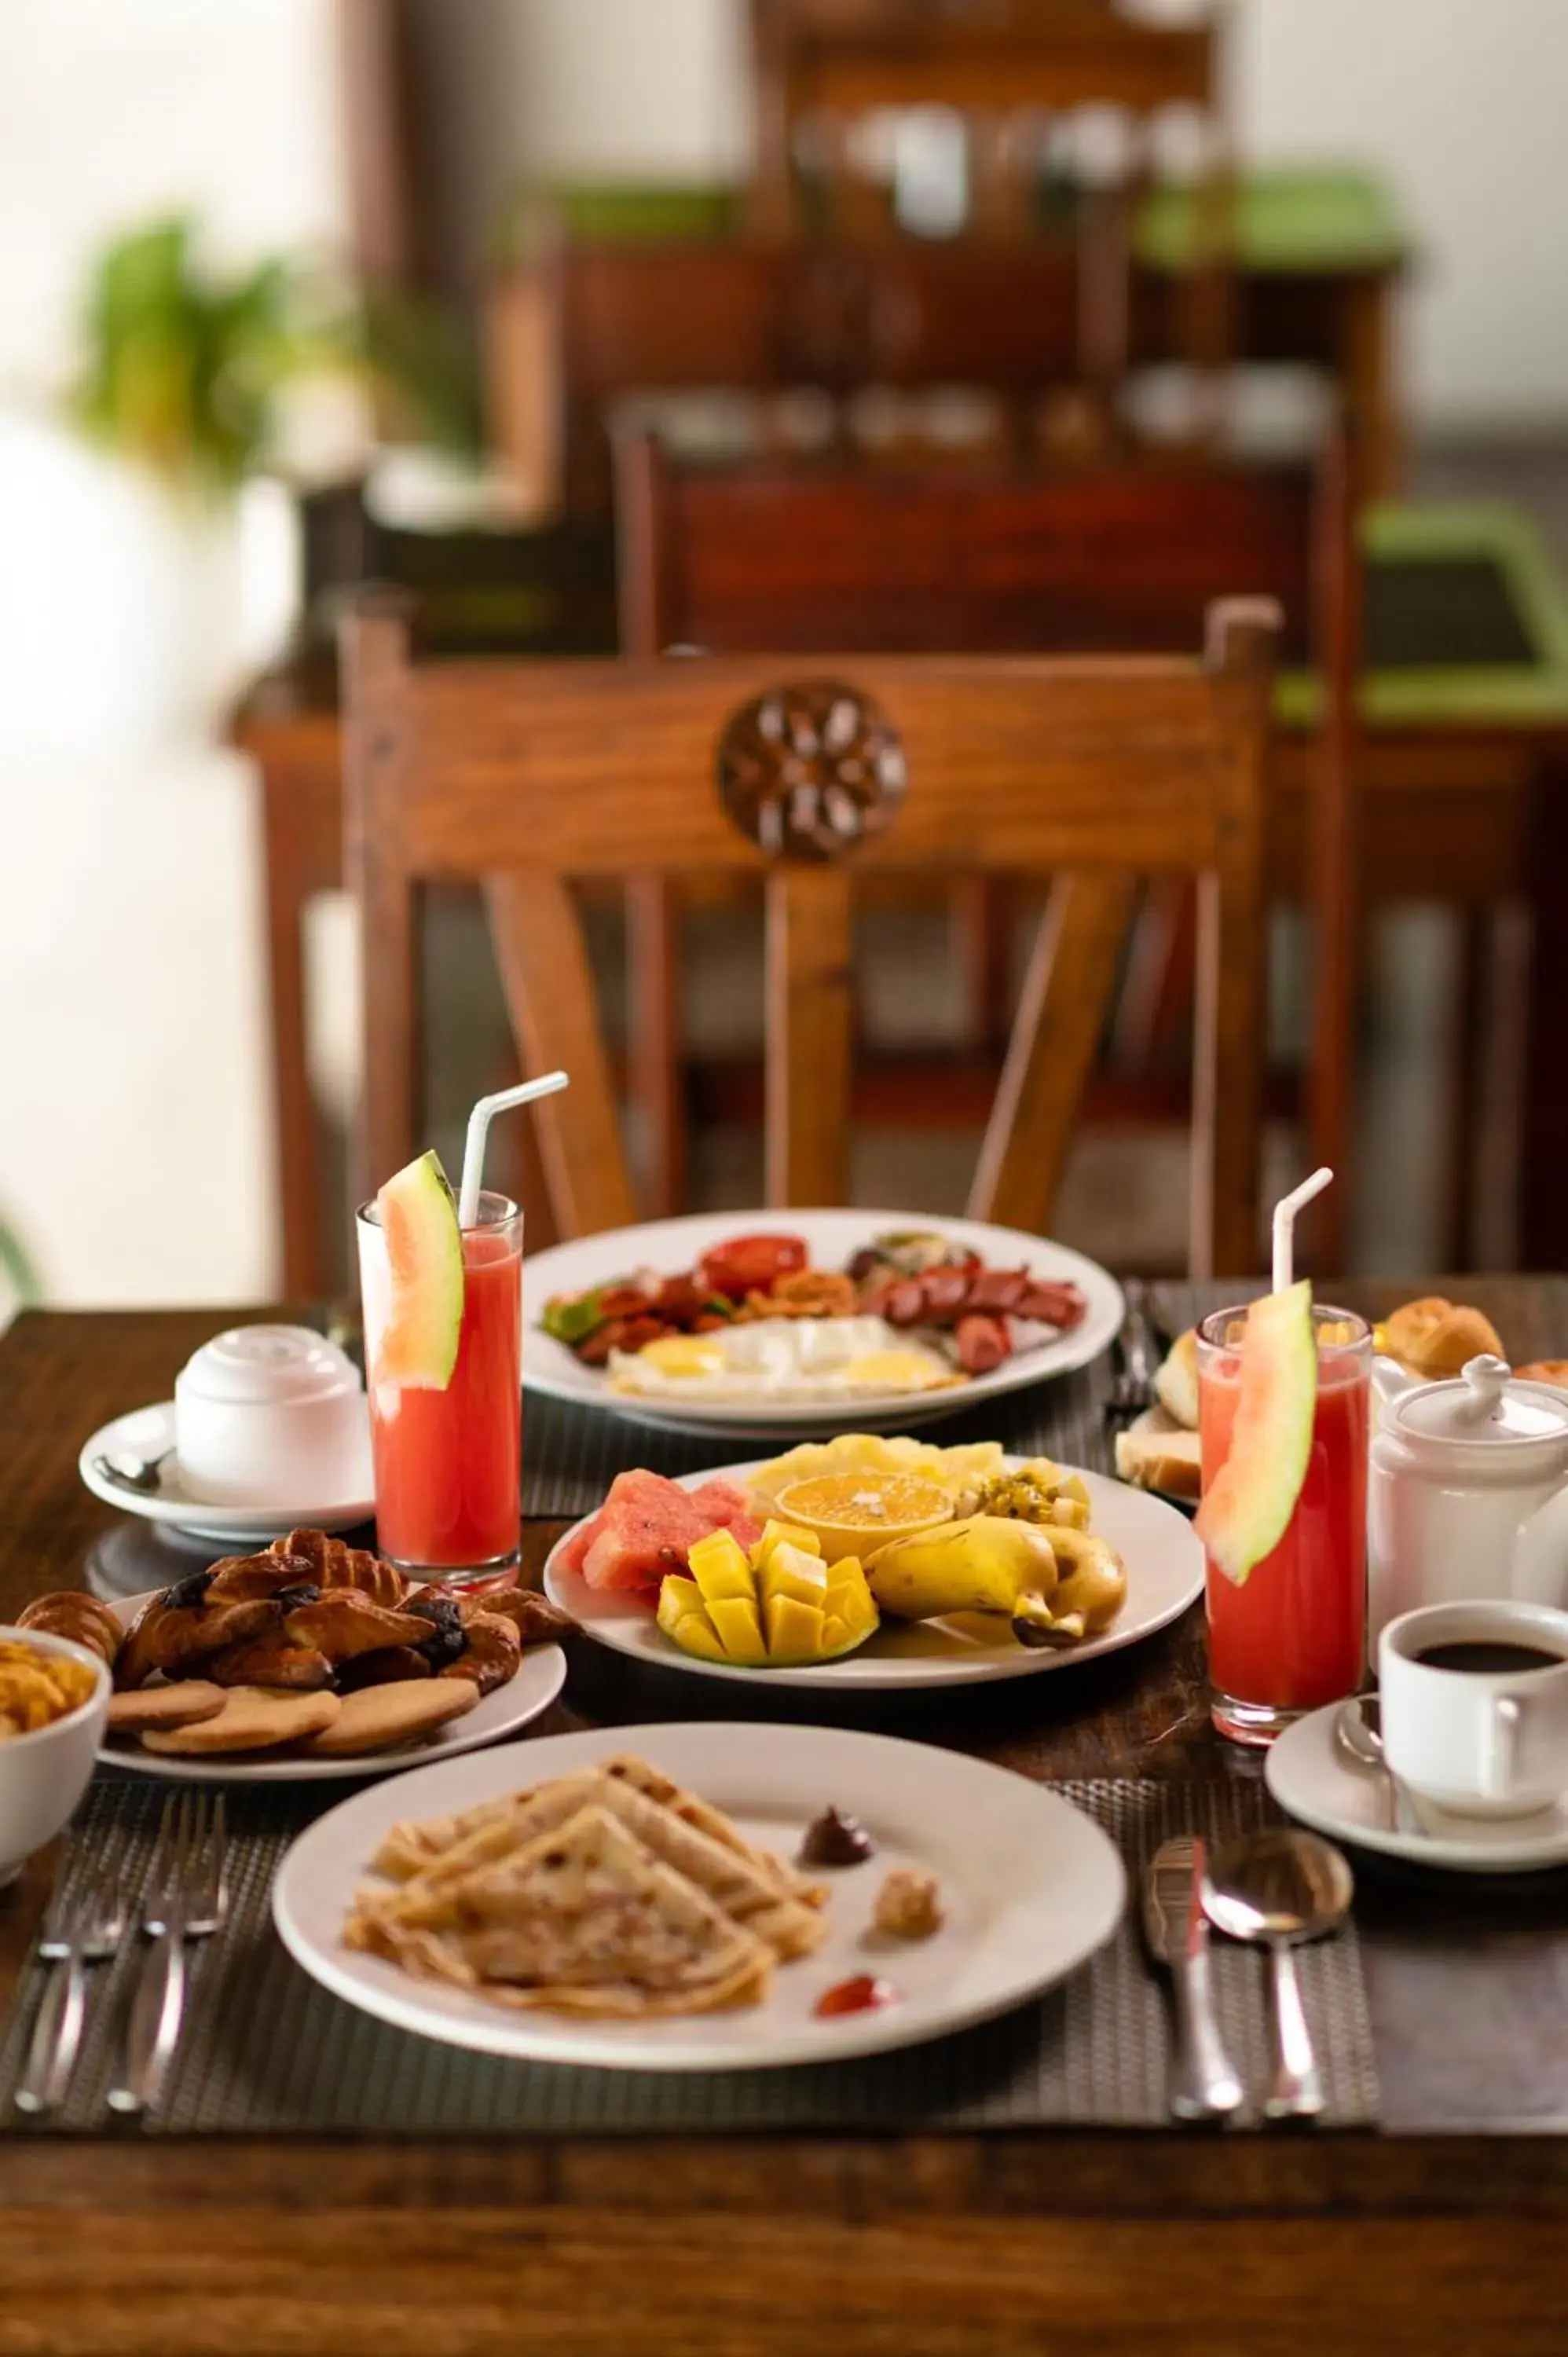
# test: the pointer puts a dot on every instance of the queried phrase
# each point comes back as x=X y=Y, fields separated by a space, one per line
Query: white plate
x=1310 y=1775
x=1165 y=1574
x=540 y=1678
x=149 y=1431
x=1030 y=1888
x=673 y=1245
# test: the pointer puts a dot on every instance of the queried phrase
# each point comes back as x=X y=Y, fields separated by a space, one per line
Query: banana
x=1090 y=1589
x=984 y=1563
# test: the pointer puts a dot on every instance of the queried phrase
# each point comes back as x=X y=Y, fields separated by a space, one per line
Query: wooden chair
x=1127 y=553
x=527 y=775
x=1011 y=70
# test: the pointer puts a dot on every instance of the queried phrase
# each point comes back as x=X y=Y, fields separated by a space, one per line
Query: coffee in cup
x=1475 y=1705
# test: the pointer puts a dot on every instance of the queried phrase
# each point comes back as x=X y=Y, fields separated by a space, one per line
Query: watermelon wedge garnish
x=425 y=1253
x=1247 y=1508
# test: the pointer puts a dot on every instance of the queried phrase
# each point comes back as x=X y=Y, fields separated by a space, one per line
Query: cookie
x=377 y=1717
x=185 y=1704
x=254 y=1718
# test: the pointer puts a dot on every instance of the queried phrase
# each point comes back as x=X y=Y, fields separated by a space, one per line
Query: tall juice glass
x=1294 y=1636
x=449 y=1463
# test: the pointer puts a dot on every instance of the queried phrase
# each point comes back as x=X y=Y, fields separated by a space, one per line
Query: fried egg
x=783 y=1358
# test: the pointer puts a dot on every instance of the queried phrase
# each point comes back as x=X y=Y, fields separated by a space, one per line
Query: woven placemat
x=265 y=2050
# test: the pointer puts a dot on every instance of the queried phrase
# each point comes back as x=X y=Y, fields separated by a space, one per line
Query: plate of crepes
x=871 y=1561
x=310 y=1659
x=769 y=1323
x=1431 y=1339
x=698 y=1897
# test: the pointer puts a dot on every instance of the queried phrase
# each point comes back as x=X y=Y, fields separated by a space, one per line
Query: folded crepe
x=408 y=1849
x=583 y=1920
x=734 y=1877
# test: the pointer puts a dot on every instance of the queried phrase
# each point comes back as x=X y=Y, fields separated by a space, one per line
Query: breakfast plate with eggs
x=761 y=1323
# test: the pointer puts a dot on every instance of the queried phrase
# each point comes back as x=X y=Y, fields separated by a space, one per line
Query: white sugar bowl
x=1468 y=1492
x=272 y=1415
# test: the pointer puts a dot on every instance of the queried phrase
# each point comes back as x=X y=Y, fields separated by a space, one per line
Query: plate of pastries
x=311 y=1659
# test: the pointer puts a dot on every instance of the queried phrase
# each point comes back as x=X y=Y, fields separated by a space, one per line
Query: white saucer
x=1310 y=1775
x=149 y=1431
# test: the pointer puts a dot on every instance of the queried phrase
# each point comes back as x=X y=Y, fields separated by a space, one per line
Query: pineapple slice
x=781 y=1606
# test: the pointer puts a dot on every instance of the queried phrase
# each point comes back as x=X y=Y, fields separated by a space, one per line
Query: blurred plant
x=18 y=1274
x=183 y=368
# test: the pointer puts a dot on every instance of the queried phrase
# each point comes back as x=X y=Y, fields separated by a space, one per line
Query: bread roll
x=1434 y=1339
x=1176 y=1382
x=1156 y=1453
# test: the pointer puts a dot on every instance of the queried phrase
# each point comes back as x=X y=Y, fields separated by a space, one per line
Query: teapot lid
x=1485 y=1406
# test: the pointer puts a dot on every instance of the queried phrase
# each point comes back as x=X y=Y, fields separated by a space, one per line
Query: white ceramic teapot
x=1469 y=1491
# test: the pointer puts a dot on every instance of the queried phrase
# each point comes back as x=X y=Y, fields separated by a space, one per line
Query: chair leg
x=652 y=930
x=1153 y=1027
x=1464 y=1089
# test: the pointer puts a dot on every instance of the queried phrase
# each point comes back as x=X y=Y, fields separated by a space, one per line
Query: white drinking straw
x=479 y=1130
x=1285 y=1210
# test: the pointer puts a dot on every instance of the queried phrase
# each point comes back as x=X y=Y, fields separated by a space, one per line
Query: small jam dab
x=864 y=1994
x=834 y=1839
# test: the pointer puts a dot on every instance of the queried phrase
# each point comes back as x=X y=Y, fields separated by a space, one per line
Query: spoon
x=131 y=1472
x=1358 y=1733
x=1277 y=1888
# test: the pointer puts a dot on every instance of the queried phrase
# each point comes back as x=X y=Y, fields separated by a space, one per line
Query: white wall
x=111 y=111
x=135 y=1145
x=1462 y=105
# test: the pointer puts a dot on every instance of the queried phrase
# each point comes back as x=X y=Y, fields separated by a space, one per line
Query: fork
x=1139 y=1354
x=186 y=1898
x=84 y=1924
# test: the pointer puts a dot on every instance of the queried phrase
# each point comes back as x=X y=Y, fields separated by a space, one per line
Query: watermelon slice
x=1248 y=1506
x=425 y=1253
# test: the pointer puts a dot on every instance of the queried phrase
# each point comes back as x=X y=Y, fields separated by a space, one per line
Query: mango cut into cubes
x=780 y=1607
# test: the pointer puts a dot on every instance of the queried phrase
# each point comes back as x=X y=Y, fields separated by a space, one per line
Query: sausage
x=996 y=1289
x=904 y=1304
x=620 y=1334
x=983 y=1342
x=947 y=1292
x=1053 y=1305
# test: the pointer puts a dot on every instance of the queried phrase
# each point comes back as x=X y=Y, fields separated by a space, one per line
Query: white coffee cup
x=1481 y=1741
x=272 y=1416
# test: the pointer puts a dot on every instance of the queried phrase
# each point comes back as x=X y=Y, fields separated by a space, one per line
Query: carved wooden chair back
x=525 y=777
x=1124 y=554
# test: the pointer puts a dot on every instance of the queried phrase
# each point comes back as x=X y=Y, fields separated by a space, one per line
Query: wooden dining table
x=1442 y=2230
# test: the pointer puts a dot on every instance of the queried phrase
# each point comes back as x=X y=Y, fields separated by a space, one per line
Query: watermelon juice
x=1294 y=1636
x=448 y=1462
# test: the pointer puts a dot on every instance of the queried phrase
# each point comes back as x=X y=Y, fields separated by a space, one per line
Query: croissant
x=71 y=1612
x=172 y=1635
x=1433 y=1338
x=334 y=1564
x=1550 y=1372
x=395 y=1667
x=535 y=1619
x=490 y=1656
x=343 y=1623
x=240 y=1578
x=269 y=1661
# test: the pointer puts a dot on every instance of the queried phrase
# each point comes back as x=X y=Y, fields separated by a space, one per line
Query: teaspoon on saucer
x=143 y=1473
x=1276 y=1889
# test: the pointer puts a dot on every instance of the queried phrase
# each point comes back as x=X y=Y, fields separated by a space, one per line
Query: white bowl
x=265 y=1412
x=43 y=1775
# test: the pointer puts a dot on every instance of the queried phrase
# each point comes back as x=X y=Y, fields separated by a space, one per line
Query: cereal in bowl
x=37 y=1688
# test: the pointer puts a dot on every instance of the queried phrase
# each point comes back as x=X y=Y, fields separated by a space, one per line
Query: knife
x=1203 y=2082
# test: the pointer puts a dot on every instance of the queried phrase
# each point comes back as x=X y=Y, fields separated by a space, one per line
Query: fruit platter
x=758 y=1323
x=873 y=1562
